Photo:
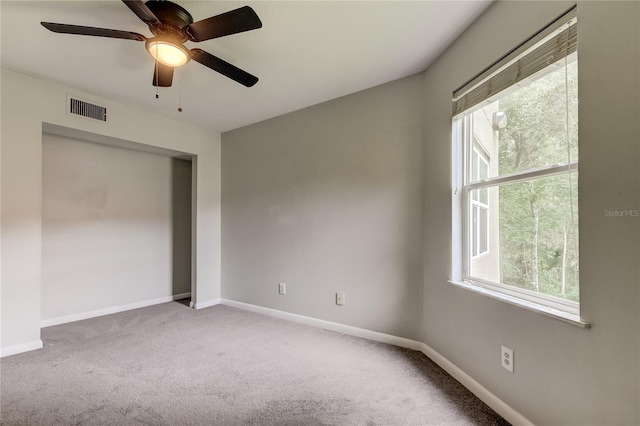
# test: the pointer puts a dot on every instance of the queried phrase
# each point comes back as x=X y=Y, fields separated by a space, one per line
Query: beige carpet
x=169 y=365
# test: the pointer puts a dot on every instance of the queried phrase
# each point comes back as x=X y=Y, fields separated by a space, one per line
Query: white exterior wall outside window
x=515 y=155
x=479 y=202
x=485 y=250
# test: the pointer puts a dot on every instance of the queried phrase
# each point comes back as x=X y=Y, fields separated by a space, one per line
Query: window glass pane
x=479 y=228
x=484 y=195
x=484 y=169
x=533 y=236
x=483 y=229
x=531 y=126
x=474 y=165
x=474 y=233
x=480 y=196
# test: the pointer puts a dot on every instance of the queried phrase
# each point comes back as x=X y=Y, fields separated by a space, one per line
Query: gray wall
x=563 y=374
x=116 y=226
x=181 y=225
x=325 y=200
x=328 y=199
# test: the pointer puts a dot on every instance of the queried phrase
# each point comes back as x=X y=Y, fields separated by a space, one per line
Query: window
x=479 y=201
x=515 y=156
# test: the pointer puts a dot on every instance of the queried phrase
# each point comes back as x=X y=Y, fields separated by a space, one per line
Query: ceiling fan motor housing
x=173 y=17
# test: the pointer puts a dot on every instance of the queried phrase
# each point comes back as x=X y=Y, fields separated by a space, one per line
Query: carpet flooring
x=170 y=365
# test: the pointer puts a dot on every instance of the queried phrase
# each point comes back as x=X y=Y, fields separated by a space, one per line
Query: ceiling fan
x=172 y=26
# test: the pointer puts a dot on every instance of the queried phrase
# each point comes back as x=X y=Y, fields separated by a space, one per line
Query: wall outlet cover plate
x=506 y=357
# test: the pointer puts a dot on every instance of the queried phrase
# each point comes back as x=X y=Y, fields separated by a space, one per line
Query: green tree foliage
x=539 y=218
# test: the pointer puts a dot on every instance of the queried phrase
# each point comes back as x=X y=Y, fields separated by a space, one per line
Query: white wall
x=328 y=199
x=112 y=231
x=27 y=103
x=563 y=374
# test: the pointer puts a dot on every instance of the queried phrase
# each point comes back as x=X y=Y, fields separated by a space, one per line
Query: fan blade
x=223 y=67
x=142 y=11
x=235 y=21
x=162 y=75
x=92 y=31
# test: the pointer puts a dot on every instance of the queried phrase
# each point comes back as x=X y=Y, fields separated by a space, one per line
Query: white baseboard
x=498 y=405
x=23 y=347
x=206 y=304
x=328 y=325
x=111 y=310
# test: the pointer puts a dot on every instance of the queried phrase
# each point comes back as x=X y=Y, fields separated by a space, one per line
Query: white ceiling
x=307 y=52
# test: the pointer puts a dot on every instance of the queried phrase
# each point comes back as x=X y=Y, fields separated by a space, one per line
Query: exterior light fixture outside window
x=499 y=120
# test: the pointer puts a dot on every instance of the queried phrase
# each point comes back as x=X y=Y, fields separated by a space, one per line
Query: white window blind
x=560 y=39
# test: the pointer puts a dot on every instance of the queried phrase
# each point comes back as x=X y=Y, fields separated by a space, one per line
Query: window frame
x=476 y=147
x=464 y=144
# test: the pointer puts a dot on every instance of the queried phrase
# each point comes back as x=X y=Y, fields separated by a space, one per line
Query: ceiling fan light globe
x=167 y=53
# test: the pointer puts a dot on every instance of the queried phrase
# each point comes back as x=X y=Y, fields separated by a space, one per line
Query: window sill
x=530 y=306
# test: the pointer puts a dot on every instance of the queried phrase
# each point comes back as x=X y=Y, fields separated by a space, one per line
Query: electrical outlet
x=282 y=289
x=507 y=358
x=340 y=298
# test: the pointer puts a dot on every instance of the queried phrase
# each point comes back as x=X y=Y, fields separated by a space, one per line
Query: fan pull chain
x=179 y=91
x=157 y=69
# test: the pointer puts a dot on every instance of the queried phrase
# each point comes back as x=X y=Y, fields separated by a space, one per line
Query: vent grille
x=86 y=109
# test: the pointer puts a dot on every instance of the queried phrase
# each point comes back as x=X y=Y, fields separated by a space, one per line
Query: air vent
x=86 y=109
